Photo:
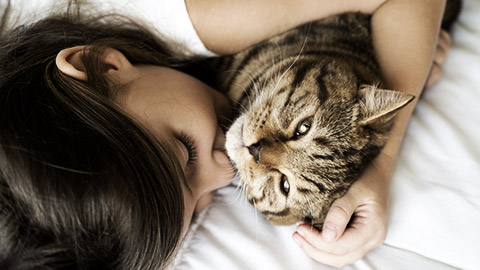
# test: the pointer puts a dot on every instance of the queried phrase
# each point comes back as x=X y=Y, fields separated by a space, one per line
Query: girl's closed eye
x=189 y=144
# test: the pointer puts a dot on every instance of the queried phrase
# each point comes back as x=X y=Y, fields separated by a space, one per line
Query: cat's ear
x=379 y=105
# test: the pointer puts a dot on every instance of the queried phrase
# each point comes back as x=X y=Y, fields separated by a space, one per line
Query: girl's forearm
x=405 y=34
x=230 y=26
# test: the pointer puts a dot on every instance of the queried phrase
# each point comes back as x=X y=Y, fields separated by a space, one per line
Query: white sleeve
x=168 y=19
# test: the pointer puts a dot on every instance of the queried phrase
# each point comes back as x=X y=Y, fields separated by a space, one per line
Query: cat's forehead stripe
x=254 y=85
x=321 y=188
x=322 y=92
x=301 y=71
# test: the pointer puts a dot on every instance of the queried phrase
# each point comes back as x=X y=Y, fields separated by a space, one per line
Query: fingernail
x=301 y=233
x=329 y=233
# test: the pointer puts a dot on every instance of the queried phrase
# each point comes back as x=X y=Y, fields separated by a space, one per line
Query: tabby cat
x=311 y=116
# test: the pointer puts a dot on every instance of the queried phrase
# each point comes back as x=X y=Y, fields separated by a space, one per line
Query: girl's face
x=179 y=108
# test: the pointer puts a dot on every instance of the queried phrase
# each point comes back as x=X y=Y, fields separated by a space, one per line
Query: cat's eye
x=303 y=127
x=284 y=185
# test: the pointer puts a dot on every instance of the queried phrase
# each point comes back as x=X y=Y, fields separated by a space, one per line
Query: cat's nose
x=255 y=150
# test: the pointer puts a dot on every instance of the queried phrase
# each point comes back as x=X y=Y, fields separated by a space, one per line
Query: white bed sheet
x=436 y=189
x=434 y=218
x=231 y=235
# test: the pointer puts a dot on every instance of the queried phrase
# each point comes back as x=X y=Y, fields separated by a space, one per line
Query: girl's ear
x=69 y=61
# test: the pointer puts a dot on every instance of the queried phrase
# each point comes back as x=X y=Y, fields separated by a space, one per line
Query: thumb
x=338 y=217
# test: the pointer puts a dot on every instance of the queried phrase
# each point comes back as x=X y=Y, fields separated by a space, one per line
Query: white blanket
x=435 y=204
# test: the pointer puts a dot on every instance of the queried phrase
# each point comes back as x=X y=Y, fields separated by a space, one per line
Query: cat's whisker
x=239 y=107
x=249 y=73
x=245 y=72
x=245 y=189
x=239 y=194
x=275 y=60
x=249 y=98
x=256 y=220
x=294 y=61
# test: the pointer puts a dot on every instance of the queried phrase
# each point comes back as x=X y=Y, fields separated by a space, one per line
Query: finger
x=436 y=73
x=366 y=231
x=351 y=241
x=326 y=257
x=443 y=46
x=444 y=41
x=338 y=217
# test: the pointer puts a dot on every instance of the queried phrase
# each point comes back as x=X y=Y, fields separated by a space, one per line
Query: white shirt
x=167 y=19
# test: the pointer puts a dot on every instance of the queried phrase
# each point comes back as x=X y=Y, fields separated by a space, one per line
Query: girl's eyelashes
x=189 y=144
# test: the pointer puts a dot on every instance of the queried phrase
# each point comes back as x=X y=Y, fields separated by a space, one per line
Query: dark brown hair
x=82 y=185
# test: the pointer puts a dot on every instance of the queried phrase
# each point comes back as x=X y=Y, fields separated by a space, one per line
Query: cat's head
x=298 y=146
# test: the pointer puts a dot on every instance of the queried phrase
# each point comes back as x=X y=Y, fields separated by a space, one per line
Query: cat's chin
x=290 y=220
x=284 y=220
x=234 y=140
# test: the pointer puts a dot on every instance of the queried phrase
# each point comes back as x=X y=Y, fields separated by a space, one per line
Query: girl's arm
x=230 y=26
x=405 y=37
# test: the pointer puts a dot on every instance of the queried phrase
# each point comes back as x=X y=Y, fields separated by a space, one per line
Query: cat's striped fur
x=311 y=115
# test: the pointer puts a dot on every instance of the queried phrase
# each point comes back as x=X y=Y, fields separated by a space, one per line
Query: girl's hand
x=355 y=223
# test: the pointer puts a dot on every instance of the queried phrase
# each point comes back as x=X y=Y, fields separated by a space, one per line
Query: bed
x=434 y=220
